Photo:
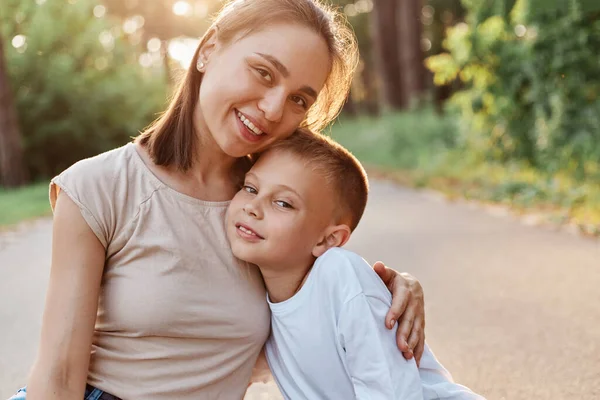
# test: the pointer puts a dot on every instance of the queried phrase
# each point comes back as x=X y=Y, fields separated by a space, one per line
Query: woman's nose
x=272 y=104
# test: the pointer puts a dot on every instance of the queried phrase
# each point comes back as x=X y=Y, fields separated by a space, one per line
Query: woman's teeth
x=249 y=124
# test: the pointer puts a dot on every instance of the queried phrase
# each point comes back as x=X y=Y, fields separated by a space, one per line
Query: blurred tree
x=410 y=34
x=79 y=85
x=363 y=96
x=387 y=53
x=12 y=170
x=398 y=37
x=439 y=16
x=531 y=88
x=164 y=20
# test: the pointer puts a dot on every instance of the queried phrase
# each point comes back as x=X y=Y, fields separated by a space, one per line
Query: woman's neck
x=212 y=177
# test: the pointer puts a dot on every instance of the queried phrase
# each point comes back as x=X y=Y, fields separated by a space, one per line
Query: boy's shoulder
x=337 y=257
x=341 y=270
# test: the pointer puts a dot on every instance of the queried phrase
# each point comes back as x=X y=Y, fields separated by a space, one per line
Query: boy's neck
x=283 y=283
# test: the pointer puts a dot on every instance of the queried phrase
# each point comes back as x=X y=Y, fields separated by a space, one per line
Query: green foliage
x=76 y=96
x=531 y=84
x=24 y=203
x=409 y=140
x=421 y=149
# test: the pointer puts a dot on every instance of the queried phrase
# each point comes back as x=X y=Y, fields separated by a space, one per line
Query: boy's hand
x=408 y=308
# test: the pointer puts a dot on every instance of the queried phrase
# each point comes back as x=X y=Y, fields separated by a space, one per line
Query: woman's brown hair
x=171 y=139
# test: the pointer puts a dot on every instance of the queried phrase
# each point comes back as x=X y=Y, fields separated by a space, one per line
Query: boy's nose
x=252 y=210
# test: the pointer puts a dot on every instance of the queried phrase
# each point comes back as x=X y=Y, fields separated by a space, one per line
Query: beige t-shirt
x=179 y=317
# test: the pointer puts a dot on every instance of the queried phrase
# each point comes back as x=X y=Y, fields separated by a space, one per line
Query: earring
x=200 y=65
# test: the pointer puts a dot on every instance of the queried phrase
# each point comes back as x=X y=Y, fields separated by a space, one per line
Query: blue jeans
x=91 y=393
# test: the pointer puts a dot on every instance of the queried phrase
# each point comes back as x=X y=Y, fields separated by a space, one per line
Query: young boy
x=300 y=202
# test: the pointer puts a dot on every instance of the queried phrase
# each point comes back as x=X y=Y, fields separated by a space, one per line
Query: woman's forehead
x=293 y=49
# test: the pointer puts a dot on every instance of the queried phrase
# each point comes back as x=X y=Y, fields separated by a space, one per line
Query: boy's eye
x=249 y=189
x=300 y=101
x=265 y=74
x=283 y=204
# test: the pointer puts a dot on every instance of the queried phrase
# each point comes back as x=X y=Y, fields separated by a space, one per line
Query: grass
x=419 y=149
x=24 y=203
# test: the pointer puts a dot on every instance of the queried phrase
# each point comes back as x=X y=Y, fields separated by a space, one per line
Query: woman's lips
x=246 y=132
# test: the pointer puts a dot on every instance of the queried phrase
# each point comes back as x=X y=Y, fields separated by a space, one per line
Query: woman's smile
x=249 y=129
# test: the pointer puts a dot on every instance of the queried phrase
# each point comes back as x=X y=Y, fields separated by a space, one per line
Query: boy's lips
x=247 y=233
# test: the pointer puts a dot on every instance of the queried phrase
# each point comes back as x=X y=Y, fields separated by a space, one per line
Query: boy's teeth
x=249 y=124
x=249 y=232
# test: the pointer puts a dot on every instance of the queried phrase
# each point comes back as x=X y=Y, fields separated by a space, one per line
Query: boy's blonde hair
x=342 y=171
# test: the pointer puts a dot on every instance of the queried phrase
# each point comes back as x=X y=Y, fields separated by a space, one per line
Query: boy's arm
x=371 y=356
x=438 y=383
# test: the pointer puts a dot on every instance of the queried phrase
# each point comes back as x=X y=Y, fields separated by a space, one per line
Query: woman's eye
x=249 y=189
x=283 y=204
x=265 y=74
x=299 y=100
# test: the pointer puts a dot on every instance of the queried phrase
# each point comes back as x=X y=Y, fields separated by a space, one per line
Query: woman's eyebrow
x=278 y=65
x=286 y=73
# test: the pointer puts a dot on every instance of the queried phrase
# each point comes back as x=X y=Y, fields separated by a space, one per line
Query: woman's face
x=258 y=89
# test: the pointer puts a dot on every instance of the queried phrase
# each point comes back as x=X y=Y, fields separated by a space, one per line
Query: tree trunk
x=410 y=32
x=12 y=170
x=387 y=59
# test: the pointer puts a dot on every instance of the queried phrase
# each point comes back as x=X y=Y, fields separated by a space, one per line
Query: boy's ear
x=335 y=236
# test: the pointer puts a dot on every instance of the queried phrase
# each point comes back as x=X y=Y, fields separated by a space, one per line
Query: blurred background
x=495 y=100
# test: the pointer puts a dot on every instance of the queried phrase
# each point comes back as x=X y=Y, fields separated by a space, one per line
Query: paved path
x=513 y=311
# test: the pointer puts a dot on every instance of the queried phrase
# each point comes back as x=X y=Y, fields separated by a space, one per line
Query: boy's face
x=281 y=213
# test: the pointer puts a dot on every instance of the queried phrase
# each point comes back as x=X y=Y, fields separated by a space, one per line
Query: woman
x=141 y=269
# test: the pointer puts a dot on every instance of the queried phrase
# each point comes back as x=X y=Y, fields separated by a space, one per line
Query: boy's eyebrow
x=279 y=185
x=289 y=189
x=286 y=73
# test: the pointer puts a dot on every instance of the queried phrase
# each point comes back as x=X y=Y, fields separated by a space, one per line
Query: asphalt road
x=513 y=311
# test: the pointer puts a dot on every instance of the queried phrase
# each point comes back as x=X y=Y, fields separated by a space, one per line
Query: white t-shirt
x=329 y=341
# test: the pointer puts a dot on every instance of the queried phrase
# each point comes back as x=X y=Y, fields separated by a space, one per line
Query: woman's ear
x=207 y=48
x=335 y=236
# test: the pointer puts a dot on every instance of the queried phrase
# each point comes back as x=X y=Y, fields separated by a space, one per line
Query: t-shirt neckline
x=156 y=179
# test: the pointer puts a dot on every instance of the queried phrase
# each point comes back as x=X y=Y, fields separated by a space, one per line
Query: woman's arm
x=61 y=366
x=408 y=308
x=261 y=373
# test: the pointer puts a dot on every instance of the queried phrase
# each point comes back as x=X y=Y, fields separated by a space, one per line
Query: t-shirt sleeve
x=438 y=383
x=91 y=185
x=369 y=365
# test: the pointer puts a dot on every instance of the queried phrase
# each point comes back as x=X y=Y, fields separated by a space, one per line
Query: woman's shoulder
x=121 y=169
x=104 y=165
x=108 y=188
